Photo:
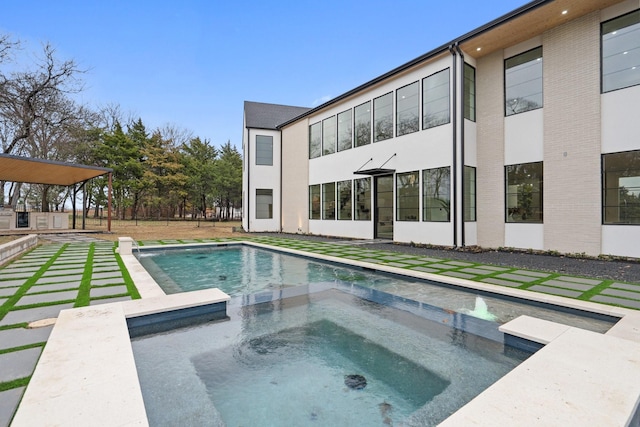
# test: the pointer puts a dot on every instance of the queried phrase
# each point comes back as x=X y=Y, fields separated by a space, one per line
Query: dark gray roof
x=259 y=115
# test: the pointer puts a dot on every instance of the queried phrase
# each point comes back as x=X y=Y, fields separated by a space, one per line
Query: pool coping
x=86 y=374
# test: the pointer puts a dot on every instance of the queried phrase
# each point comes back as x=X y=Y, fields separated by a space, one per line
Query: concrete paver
x=18 y=364
x=619 y=301
x=17 y=337
x=9 y=400
x=107 y=290
x=53 y=287
x=567 y=285
x=11 y=283
x=48 y=297
x=31 y=314
x=59 y=279
x=555 y=291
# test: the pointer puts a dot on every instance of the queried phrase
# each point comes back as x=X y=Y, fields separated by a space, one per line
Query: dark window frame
x=602 y=52
x=348 y=112
x=258 y=157
x=630 y=209
x=511 y=213
x=356 y=134
x=472 y=106
x=379 y=137
x=315 y=211
x=408 y=214
x=425 y=99
x=507 y=86
x=426 y=206
x=410 y=128
x=269 y=205
x=319 y=147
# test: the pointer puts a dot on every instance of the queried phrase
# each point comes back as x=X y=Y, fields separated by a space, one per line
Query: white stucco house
x=522 y=133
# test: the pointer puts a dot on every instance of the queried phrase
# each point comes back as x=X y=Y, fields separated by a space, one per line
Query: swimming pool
x=241 y=270
x=284 y=362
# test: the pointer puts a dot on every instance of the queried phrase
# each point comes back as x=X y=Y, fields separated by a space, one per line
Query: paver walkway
x=37 y=286
x=63 y=275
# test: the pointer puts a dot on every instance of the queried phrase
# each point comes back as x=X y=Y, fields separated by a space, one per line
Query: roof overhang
x=40 y=171
x=526 y=22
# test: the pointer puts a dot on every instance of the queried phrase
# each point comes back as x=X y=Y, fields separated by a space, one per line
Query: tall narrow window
x=524 y=192
x=264 y=150
x=329 y=135
x=315 y=140
x=469 y=92
x=345 y=130
x=344 y=199
x=523 y=82
x=363 y=199
x=621 y=52
x=264 y=203
x=435 y=100
x=407 y=106
x=408 y=196
x=436 y=189
x=383 y=117
x=363 y=124
x=329 y=200
x=469 y=193
x=314 y=201
x=621 y=188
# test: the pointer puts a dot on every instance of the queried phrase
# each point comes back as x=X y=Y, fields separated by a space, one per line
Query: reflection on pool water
x=244 y=270
x=283 y=362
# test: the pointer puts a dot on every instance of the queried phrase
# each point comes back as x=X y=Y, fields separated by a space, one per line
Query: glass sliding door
x=384 y=207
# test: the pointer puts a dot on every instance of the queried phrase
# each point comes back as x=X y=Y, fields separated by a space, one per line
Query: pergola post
x=109 y=205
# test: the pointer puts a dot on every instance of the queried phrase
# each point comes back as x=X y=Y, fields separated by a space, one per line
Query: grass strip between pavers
x=10 y=303
x=20 y=382
x=83 y=298
x=131 y=287
x=22 y=347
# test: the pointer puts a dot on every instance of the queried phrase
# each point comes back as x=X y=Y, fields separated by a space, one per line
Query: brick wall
x=490 y=153
x=572 y=135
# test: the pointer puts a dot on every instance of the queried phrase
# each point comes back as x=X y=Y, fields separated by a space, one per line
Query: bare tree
x=35 y=103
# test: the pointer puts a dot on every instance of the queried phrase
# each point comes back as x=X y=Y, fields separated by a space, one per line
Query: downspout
x=248 y=163
x=454 y=213
x=280 y=207
x=457 y=46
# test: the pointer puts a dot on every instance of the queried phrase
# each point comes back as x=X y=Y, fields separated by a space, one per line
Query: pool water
x=242 y=270
x=284 y=362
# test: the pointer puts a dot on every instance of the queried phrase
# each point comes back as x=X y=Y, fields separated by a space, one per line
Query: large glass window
x=363 y=124
x=436 y=190
x=524 y=192
x=329 y=200
x=363 y=199
x=314 y=201
x=469 y=92
x=469 y=193
x=435 y=99
x=264 y=150
x=329 y=135
x=407 y=109
x=264 y=203
x=344 y=199
x=315 y=140
x=621 y=52
x=383 y=117
x=523 y=82
x=621 y=188
x=408 y=196
x=345 y=130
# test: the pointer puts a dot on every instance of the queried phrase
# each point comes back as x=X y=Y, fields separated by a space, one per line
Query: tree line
x=160 y=173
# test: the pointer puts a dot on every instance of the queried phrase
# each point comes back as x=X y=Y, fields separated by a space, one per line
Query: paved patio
x=61 y=275
x=36 y=287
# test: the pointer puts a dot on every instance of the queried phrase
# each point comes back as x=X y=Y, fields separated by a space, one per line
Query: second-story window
x=523 y=82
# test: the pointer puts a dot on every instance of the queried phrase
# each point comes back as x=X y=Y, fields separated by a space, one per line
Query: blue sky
x=192 y=63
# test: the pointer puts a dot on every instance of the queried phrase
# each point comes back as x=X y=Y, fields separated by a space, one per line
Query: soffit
x=525 y=26
x=38 y=171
